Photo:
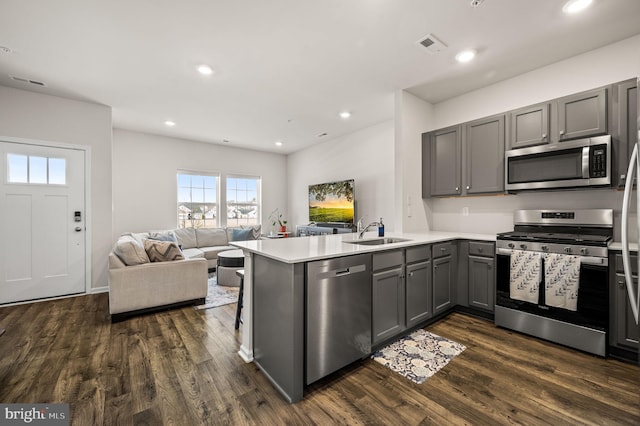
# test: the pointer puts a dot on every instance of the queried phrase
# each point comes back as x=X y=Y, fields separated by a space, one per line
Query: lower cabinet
x=444 y=276
x=623 y=331
x=388 y=291
x=481 y=275
x=418 y=285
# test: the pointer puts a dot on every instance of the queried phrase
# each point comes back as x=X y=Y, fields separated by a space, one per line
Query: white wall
x=144 y=177
x=365 y=155
x=491 y=214
x=33 y=116
x=414 y=117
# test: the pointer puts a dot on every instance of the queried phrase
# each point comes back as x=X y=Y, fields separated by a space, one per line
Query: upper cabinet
x=625 y=107
x=484 y=151
x=478 y=146
x=442 y=149
x=582 y=115
x=529 y=126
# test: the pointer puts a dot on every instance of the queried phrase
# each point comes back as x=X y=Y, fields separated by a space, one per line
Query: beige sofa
x=137 y=284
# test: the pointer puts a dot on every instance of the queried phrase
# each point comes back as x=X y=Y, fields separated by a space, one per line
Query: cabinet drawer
x=418 y=254
x=442 y=249
x=634 y=264
x=481 y=249
x=388 y=259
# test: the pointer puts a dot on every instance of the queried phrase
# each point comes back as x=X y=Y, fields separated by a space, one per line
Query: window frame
x=218 y=189
x=258 y=203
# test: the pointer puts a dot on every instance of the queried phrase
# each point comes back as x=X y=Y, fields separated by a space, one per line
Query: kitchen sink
x=377 y=241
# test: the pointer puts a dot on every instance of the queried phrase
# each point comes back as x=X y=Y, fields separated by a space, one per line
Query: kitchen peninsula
x=315 y=304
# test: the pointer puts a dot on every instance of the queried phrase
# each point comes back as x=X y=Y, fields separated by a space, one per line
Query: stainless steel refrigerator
x=633 y=293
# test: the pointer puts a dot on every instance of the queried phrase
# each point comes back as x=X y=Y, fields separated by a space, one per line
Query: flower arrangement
x=276 y=217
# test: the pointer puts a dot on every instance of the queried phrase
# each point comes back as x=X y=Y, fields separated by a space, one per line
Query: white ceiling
x=284 y=69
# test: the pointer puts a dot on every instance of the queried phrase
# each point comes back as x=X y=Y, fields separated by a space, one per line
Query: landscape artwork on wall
x=332 y=202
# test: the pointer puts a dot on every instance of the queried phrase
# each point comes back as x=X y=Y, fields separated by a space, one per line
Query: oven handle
x=584 y=260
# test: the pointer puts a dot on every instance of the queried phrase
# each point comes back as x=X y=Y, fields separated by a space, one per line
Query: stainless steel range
x=552 y=276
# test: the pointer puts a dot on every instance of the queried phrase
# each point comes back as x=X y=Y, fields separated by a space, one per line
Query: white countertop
x=616 y=245
x=315 y=247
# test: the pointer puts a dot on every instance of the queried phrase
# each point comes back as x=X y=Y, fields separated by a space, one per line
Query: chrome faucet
x=366 y=228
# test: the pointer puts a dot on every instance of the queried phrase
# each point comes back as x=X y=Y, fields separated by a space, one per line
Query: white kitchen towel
x=561 y=280
x=525 y=275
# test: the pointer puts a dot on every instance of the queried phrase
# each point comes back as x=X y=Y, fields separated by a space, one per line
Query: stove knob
x=511 y=245
x=523 y=246
x=544 y=247
x=567 y=249
x=584 y=251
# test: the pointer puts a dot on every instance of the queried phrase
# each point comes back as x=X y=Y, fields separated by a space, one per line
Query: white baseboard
x=245 y=354
x=96 y=290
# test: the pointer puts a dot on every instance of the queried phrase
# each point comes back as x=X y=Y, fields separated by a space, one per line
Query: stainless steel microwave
x=578 y=163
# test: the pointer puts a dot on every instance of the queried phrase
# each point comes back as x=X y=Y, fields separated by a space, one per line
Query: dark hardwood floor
x=181 y=367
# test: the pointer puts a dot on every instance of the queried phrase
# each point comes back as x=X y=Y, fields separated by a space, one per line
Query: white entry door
x=42 y=222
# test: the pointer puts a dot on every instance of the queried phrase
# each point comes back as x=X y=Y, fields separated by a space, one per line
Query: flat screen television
x=332 y=202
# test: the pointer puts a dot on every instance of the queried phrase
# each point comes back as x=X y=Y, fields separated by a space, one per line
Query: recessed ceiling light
x=5 y=49
x=278 y=143
x=345 y=114
x=576 y=6
x=205 y=69
x=169 y=123
x=466 y=55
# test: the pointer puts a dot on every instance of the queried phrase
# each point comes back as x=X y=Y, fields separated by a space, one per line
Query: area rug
x=419 y=355
x=219 y=295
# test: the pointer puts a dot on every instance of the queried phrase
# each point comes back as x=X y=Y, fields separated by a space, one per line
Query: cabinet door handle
x=544 y=136
x=457 y=188
x=410 y=274
x=561 y=133
x=468 y=187
x=621 y=283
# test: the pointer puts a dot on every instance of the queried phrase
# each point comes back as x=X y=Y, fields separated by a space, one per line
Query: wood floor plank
x=181 y=367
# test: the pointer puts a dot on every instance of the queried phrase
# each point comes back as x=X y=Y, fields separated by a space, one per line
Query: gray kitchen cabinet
x=625 y=133
x=418 y=285
x=582 y=115
x=443 y=174
x=444 y=276
x=484 y=152
x=388 y=293
x=481 y=275
x=623 y=331
x=529 y=126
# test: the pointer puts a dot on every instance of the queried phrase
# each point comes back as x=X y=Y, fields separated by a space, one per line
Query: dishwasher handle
x=350 y=270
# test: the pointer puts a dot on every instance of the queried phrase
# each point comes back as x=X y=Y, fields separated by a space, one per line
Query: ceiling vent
x=26 y=80
x=431 y=44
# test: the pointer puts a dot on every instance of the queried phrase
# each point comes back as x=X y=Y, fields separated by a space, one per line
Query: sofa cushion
x=212 y=252
x=239 y=234
x=186 y=237
x=130 y=251
x=211 y=237
x=162 y=251
x=193 y=253
x=163 y=236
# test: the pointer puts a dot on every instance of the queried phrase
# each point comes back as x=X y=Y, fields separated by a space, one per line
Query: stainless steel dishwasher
x=338 y=314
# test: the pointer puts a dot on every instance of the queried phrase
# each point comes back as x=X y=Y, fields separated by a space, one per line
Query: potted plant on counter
x=276 y=218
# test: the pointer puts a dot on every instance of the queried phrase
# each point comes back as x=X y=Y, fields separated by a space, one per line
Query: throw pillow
x=130 y=251
x=241 y=234
x=162 y=251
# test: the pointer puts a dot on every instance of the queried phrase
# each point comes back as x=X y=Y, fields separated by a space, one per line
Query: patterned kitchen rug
x=218 y=295
x=419 y=355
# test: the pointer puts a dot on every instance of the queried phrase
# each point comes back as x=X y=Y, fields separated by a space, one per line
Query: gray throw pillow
x=130 y=251
x=238 y=234
x=163 y=236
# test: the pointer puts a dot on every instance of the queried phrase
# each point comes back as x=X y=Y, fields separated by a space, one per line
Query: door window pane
x=17 y=168
x=57 y=171
x=37 y=169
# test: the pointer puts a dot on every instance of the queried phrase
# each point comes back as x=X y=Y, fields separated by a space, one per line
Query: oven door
x=593 y=295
